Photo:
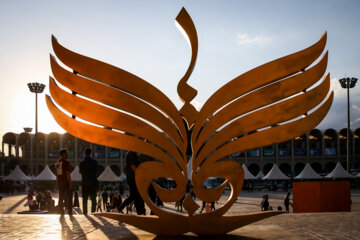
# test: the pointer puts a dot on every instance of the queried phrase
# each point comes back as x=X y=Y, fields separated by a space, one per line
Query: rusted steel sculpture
x=269 y=104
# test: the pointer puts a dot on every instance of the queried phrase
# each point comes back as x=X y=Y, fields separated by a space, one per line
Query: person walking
x=287 y=201
x=88 y=168
x=64 y=183
x=132 y=163
x=203 y=206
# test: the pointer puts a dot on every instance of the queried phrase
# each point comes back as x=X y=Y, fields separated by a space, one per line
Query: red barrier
x=321 y=197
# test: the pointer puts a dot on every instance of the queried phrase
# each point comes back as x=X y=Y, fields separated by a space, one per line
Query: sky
x=141 y=37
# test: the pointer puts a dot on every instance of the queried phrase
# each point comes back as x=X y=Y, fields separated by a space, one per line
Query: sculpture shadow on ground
x=122 y=231
x=207 y=237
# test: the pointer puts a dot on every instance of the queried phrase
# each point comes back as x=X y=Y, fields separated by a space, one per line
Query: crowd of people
x=90 y=186
x=108 y=199
x=41 y=201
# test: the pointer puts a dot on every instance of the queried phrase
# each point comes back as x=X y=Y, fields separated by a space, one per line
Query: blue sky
x=141 y=37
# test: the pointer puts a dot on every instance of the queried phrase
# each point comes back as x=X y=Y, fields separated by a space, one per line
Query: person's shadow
x=67 y=232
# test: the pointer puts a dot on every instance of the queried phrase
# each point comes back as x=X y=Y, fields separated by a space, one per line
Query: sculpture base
x=201 y=224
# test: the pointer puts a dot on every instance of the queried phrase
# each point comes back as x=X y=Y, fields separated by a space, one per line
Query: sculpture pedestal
x=321 y=197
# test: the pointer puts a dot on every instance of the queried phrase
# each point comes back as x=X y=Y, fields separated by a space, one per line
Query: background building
x=322 y=149
x=21 y=150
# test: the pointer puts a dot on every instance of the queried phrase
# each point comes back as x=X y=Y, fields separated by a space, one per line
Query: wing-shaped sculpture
x=264 y=106
x=142 y=118
x=272 y=103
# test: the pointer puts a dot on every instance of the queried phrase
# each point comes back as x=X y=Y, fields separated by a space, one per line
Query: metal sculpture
x=266 y=105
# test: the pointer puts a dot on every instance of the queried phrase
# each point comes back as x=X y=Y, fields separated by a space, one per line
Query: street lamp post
x=36 y=88
x=348 y=83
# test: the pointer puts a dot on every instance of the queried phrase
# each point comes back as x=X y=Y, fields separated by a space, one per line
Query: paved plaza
x=344 y=225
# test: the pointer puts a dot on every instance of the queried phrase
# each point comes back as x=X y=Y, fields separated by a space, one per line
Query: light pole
x=36 y=88
x=348 y=83
x=27 y=129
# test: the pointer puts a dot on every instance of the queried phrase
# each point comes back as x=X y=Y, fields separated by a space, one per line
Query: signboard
x=71 y=155
x=315 y=152
x=299 y=152
x=253 y=153
x=330 y=151
x=99 y=154
x=113 y=154
x=269 y=152
x=284 y=152
x=53 y=155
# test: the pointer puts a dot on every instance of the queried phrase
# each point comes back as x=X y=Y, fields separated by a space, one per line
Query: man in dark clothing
x=88 y=168
x=287 y=202
x=132 y=163
x=265 y=203
x=105 y=199
x=63 y=179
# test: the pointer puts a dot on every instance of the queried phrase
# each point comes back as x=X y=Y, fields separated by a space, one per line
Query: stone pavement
x=286 y=226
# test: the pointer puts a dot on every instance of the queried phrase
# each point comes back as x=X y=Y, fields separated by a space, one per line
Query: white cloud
x=356 y=108
x=336 y=87
x=244 y=38
x=356 y=112
x=355 y=122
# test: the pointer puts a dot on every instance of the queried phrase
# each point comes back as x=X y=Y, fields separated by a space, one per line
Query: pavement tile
x=342 y=225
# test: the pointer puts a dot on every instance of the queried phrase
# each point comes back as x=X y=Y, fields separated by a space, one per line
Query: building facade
x=21 y=150
x=322 y=149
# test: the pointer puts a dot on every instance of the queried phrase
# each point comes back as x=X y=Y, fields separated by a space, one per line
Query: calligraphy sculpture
x=270 y=104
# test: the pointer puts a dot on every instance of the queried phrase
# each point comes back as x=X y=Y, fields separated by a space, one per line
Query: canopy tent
x=275 y=174
x=108 y=176
x=46 y=174
x=339 y=172
x=308 y=173
x=247 y=174
x=17 y=175
x=75 y=174
x=260 y=175
x=122 y=176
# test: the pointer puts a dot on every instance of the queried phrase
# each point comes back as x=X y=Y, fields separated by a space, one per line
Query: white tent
x=17 y=175
x=108 y=176
x=339 y=172
x=247 y=174
x=46 y=174
x=260 y=175
x=122 y=176
x=275 y=174
x=358 y=175
x=75 y=174
x=308 y=173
